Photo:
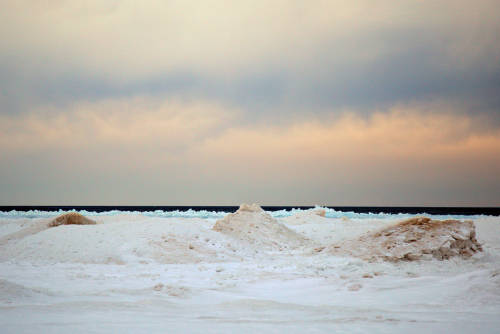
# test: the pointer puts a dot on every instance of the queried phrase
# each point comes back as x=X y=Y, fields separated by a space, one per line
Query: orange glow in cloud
x=209 y=143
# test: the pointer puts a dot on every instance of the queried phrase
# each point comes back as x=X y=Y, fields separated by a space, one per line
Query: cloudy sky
x=275 y=102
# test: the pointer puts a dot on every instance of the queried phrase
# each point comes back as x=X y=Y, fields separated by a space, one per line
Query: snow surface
x=134 y=273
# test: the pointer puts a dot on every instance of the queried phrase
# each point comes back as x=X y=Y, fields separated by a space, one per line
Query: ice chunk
x=71 y=218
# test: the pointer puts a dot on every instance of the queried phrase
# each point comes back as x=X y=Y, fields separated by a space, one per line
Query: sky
x=377 y=103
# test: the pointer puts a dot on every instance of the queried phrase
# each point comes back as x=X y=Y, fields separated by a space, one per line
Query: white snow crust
x=247 y=272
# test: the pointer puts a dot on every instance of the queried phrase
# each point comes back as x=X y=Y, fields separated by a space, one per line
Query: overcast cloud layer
x=283 y=102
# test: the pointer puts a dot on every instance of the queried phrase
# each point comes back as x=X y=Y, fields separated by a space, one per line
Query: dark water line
x=492 y=211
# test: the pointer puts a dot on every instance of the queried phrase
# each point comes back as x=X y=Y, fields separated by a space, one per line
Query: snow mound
x=250 y=224
x=415 y=239
x=71 y=218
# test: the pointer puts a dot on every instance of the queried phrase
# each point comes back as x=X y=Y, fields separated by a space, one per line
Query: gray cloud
x=359 y=56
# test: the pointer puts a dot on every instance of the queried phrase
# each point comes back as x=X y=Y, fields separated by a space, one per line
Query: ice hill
x=254 y=226
x=414 y=239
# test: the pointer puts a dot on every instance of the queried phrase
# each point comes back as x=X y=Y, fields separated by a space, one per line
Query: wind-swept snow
x=250 y=272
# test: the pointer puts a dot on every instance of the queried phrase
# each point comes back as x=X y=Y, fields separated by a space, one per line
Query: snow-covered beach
x=246 y=272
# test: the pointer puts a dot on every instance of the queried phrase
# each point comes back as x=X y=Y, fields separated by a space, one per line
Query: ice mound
x=316 y=215
x=71 y=218
x=311 y=213
x=415 y=239
x=252 y=225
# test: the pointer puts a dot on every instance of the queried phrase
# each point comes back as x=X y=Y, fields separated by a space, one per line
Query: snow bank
x=252 y=225
x=414 y=239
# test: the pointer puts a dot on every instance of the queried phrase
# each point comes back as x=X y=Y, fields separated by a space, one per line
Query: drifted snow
x=139 y=274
